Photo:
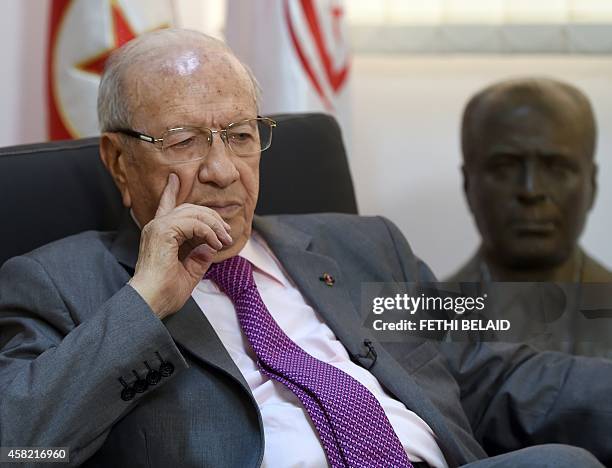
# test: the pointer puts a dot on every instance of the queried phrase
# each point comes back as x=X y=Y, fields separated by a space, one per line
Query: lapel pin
x=327 y=279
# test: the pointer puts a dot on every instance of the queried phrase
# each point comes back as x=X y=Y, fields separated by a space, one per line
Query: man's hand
x=176 y=248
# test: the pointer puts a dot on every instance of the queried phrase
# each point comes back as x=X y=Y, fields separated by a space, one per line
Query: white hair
x=113 y=107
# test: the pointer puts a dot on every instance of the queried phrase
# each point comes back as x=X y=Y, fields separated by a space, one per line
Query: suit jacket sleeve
x=59 y=381
x=515 y=396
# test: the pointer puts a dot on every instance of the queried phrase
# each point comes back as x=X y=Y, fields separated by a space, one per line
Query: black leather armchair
x=52 y=190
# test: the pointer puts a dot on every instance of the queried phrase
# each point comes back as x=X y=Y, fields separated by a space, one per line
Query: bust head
x=529 y=173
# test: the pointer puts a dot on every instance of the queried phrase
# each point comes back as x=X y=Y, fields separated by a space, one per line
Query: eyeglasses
x=187 y=144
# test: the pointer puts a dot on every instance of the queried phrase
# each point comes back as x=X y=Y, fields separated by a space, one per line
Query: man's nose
x=218 y=166
x=533 y=184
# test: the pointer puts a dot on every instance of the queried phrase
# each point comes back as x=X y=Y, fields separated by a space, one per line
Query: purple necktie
x=353 y=428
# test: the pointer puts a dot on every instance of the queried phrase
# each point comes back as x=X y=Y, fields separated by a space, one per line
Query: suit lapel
x=333 y=304
x=189 y=327
x=192 y=331
x=306 y=268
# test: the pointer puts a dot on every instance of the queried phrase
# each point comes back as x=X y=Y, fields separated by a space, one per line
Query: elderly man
x=197 y=328
x=530 y=180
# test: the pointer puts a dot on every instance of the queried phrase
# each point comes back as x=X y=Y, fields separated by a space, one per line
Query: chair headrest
x=306 y=169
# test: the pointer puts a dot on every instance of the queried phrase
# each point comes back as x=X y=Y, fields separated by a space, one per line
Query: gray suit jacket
x=70 y=327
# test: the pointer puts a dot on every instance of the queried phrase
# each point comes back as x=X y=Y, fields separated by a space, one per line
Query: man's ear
x=113 y=155
x=593 y=183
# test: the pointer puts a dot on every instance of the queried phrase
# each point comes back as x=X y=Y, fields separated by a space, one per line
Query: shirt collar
x=257 y=252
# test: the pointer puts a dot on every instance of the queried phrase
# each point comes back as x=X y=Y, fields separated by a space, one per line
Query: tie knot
x=232 y=276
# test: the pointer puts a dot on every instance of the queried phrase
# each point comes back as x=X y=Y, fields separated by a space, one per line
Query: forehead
x=533 y=124
x=189 y=87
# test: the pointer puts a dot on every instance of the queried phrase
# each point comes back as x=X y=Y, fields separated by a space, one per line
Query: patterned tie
x=353 y=428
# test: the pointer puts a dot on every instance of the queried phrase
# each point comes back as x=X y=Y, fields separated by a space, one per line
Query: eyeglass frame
x=157 y=142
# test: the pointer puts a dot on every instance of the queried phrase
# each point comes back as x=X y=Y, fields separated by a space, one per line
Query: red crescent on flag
x=336 y=78
x=57 y=129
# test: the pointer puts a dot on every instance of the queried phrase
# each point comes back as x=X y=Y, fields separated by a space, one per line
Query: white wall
x=23 y=33
x=405 y=136
x=406 y=154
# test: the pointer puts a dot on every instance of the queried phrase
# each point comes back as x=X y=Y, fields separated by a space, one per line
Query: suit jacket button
x=127 y=394
x=153 y=377
x=166 y=369
x=140 y=385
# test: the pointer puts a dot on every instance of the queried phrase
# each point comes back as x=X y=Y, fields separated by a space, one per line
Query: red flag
x=83 y=33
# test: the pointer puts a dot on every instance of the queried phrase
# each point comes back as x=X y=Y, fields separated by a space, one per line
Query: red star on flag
x=123 y=33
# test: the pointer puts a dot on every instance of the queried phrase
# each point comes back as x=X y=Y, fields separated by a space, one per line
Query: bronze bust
x=529 y=177
x=530 y=180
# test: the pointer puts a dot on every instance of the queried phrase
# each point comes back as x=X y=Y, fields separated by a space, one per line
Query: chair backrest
x=306 y=169
x=52 y=190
